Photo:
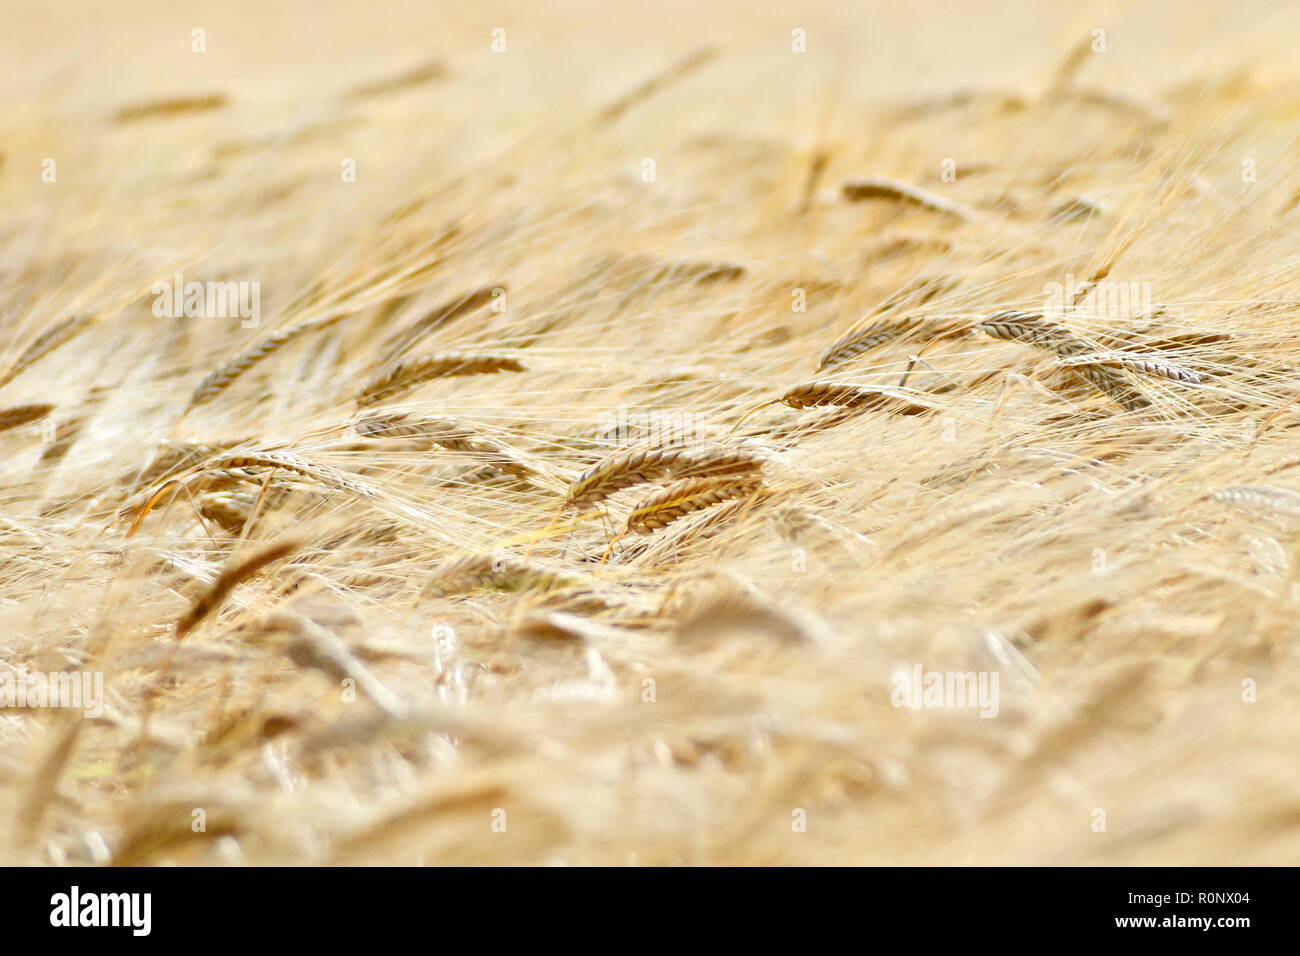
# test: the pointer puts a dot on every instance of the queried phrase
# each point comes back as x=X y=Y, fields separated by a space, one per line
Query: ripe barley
x=819 y=393
x=1145 y=364
x=498 y=571
x=855 y=342
x=173 y=457
x=17 y=415
x=661 y=508
x=229 y=510
x=701 y=527
x=407 y=375
x=670 y=271
x=220 y=379
x=674 y=72
x=1034 y=329
x=712 y=636
x=859 y=190
x=287 y=461
x=47 y=342
x=437 y=318
x=68 y=432
x=638 y=466
x=448 y=434
x=1259 y=497
x=234 y=574
x=173 y=106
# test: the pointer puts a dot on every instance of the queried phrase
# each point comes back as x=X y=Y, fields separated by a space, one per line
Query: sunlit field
x=676 y=433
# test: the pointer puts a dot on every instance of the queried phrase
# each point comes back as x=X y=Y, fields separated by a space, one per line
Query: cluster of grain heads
x=406 y=375
x=641 y=466
x=1032 y=328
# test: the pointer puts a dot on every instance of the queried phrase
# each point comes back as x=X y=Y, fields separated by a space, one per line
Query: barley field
x=613 y=433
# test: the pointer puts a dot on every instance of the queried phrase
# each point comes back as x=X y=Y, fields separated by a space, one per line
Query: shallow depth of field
x=640 y=399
